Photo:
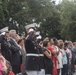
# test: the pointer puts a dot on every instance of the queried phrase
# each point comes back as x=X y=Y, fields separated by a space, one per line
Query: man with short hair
x=15 y=52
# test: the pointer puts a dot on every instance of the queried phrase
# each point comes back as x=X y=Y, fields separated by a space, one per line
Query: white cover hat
x=31 y=26
x=39 y=37
x=30 y=30
x=4 y=29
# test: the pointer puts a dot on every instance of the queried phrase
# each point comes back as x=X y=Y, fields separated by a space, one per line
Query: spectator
x=54 y=43
x=65 y=60
x=15 y=52
x=60 y=56
x=23 y=55
x=47 y=59
x=74 y=56
x=3 y=68
x=69 y=54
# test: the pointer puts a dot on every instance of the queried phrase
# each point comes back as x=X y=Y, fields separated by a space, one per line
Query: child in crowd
x=3 y=68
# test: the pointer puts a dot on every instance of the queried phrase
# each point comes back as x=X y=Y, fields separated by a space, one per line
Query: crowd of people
x=33 y=55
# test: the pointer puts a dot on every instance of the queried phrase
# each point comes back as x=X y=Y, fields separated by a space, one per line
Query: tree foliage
x=55 y=20
x=68 y=20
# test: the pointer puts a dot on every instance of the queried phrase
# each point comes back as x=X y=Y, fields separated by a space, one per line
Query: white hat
x=39 y=37
x=30 y=30
x=31 y=26
x=4 y=29
x=2 y=33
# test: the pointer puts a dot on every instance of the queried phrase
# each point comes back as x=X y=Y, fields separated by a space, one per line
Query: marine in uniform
x=32 y=56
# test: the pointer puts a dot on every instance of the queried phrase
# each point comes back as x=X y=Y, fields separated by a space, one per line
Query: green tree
x=68 y=20
x=17 y=13
x=3 y=13
x=44 y=12
x=55 y=20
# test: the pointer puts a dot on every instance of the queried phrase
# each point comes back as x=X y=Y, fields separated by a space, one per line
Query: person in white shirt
x=60 y=57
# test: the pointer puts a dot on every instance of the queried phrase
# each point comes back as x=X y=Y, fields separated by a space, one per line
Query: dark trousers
x=58 y=71
x=64 y=69
x=16 y=69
